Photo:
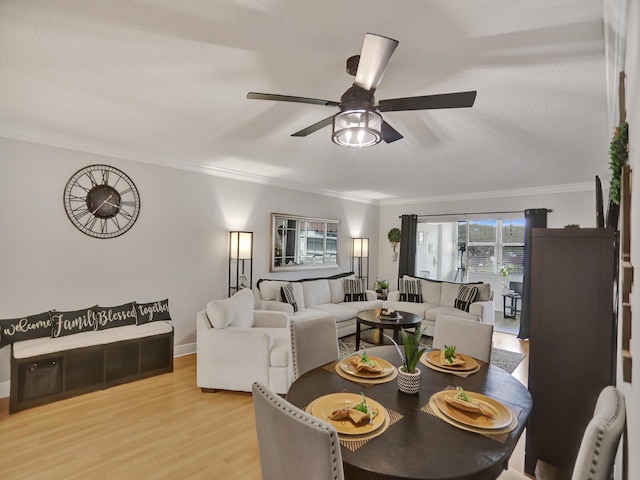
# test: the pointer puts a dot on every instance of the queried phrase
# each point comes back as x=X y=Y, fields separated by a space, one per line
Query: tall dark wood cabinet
x=572 y=338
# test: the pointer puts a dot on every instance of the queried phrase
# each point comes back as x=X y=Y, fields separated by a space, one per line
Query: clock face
x=101 y=201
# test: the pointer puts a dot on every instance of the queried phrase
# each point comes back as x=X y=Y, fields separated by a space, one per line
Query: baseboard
x=4 y=389
x=178 y=351
x=182 y=350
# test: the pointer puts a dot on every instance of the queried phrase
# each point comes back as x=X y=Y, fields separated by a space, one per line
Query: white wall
x=177 y=249
x=575 y=207
x=632 y=390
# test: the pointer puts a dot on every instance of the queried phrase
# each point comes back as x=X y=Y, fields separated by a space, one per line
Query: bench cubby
x=51 y=369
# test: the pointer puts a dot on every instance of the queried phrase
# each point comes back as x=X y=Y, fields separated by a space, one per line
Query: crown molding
x=520 y=192
x=60 y=141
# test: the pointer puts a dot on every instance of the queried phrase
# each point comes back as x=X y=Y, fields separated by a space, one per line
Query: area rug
x=501 y=358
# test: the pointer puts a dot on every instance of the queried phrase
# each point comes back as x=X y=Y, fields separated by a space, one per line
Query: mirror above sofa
x=303 y=243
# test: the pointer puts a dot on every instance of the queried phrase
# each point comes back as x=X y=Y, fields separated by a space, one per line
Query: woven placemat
x=499 y=435
x=354 y=442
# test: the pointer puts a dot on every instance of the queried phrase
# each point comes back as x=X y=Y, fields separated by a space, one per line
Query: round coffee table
x=370 y=317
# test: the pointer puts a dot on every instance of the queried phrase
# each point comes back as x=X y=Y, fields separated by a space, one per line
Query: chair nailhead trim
x=277 y=401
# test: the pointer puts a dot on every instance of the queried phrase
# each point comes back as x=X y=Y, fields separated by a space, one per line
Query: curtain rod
x=476 y=213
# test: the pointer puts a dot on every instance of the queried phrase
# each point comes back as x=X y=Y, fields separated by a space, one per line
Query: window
x=492 y=243
x=513 y=245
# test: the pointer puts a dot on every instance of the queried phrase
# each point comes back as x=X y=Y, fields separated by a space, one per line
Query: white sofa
x=438 y=297
x=316 y=298
x=237 y=345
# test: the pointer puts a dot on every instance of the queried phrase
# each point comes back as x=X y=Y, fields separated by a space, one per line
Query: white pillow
x=243 y=309
x=236 y=311
x=219 y=313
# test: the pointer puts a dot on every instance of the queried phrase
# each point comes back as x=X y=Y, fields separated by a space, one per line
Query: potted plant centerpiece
x=409 y=373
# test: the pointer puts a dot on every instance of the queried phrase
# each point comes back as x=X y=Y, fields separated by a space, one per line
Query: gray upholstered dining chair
x=314 y=342
x=293 y=443
x=470 y=337
x=599 y=444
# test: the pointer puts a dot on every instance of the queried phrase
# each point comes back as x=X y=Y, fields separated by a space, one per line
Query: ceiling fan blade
x=428 y=102
x=375 y=56
x=288 y=98
x=390 y=134
x=316 y=126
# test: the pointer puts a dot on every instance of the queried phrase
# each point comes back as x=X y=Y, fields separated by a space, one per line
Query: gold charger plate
x=433 y=366
x=503 y=416
x=323 y=407
x=346 y=366
x=434 y=357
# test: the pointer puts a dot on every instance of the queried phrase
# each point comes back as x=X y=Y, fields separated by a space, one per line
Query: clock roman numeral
x=80 y=212
x=105 y=177
x=94 y=182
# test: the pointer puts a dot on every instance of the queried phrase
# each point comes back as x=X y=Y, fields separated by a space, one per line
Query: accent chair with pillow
x=237 y=345
x=430 y=298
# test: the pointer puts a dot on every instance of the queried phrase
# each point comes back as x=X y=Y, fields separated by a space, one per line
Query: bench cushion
x=45 y=345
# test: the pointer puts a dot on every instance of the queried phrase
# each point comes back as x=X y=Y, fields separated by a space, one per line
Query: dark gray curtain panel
x=533 y=218
x=407 y=261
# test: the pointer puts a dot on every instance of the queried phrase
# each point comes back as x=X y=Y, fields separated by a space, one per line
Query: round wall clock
x=101 y=201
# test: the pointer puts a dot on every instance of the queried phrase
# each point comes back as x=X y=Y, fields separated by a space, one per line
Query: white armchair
x=237 y=346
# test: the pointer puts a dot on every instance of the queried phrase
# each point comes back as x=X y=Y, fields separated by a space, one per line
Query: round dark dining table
x=421 y=445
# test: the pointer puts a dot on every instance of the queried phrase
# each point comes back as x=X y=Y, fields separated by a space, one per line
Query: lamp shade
x=357 y=128
x=241 y=245
x=361 y=247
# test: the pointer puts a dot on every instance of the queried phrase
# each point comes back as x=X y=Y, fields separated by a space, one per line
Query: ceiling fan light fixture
x=357 y=128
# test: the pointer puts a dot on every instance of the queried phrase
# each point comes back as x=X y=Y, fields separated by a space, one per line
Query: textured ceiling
x=165 y=82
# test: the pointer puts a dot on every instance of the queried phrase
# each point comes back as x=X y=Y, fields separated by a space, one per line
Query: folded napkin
x=356 y=416
x=366 y=366
x=473 y=407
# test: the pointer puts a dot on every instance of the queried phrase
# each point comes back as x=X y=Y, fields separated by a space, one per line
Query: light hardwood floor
x=161 y=428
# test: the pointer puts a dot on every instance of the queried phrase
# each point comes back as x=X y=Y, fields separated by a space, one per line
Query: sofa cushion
x=270 y=289
x=484 y=292
x=365 y=305
x=431 y=313
x=236 y=311
x=410 y=290
x=336 y=289
x=316 y=292
x=466 y=295
x=340 y=312
x=308 y=314
x=286 y=291
x=411 y=307
x=449 y=294
x=353 y=290
x=431 y=289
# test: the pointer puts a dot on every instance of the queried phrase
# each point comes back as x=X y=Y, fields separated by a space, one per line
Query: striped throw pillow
x=287 y=295
x=410 y=290
x=353 y=290
x=467 y=294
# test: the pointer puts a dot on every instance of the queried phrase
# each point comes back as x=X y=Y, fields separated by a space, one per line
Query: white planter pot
x=408 y=382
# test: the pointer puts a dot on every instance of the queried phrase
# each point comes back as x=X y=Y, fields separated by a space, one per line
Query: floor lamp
x=240 y=261
x=360 y=259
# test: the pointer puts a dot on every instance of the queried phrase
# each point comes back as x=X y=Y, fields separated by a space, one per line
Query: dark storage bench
x=45 y=370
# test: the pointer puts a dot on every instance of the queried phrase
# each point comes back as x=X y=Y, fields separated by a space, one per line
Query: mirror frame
x=274 y=259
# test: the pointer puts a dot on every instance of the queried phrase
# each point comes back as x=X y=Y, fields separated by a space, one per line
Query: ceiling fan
x=359 y=123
